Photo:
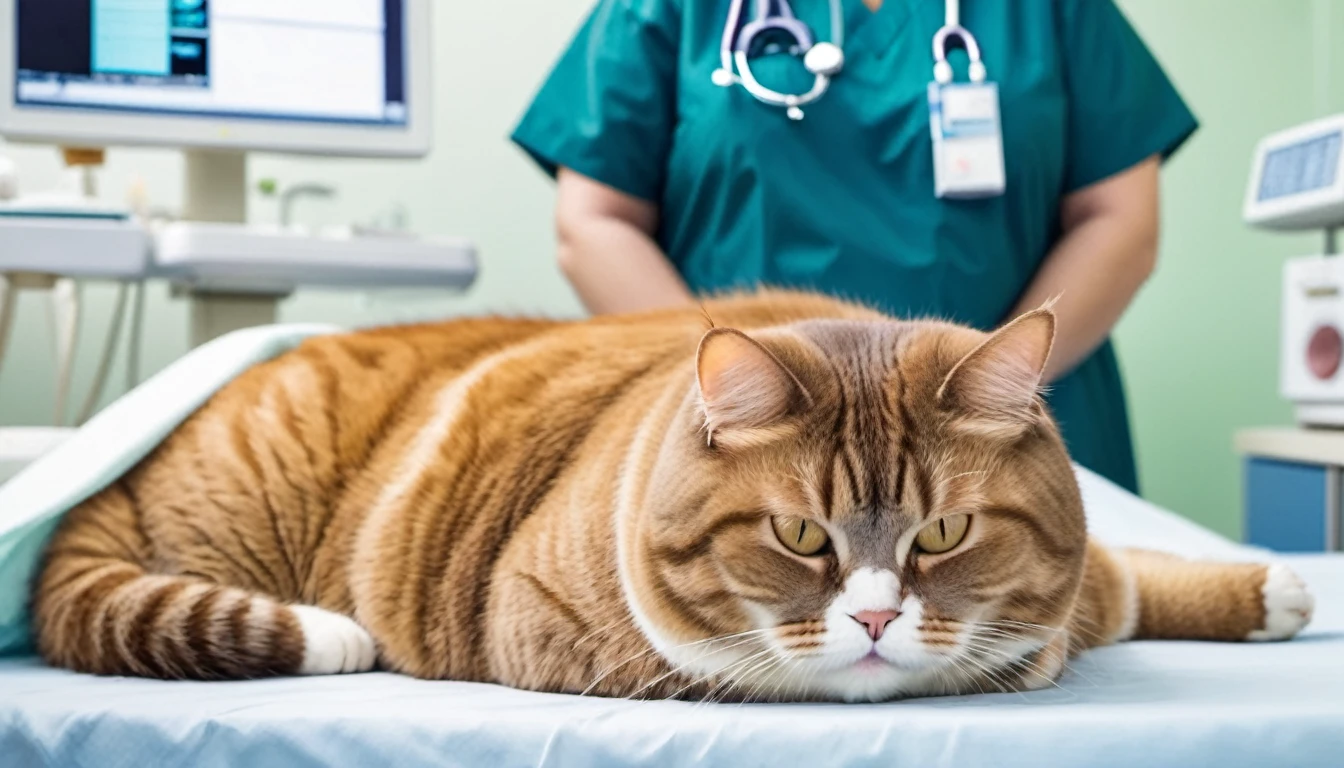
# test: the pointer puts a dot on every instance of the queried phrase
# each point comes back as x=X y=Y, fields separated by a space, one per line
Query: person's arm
x=607 y=250
x=1106 y=251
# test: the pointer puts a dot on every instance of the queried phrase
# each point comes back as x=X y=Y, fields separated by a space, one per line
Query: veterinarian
x=706 y=145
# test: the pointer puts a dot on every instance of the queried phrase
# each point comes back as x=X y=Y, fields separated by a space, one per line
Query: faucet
x=288 y=197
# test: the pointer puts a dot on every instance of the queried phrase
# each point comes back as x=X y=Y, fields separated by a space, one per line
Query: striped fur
x=586 y=506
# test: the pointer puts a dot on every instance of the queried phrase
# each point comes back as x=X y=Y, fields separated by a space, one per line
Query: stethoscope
x=823 y=59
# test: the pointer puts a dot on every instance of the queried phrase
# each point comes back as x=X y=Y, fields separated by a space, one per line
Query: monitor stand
x=216 y=192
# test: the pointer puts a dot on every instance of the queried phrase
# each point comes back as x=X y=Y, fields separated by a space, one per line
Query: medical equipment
x=1297 y=183
x=262 y=261
x=349 y=78
x=964 y=118
x=824 y=59
x=217 y=79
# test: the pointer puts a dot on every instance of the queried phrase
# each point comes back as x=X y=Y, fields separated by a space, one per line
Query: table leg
x=65 y=308
x=9 y=296
x=215 y=314
x=110 y=341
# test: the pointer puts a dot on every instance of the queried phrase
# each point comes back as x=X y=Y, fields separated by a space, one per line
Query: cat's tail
x=1177 y=599
x=99 y=608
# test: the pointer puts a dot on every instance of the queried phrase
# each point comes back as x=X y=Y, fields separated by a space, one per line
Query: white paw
x=333 y=644
x=1288 y=605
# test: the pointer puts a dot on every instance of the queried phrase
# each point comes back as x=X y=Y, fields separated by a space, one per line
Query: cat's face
x=858 y=511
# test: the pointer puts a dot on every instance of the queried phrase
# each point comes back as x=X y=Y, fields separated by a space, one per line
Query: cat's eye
x=944 y=534
x=801 y=536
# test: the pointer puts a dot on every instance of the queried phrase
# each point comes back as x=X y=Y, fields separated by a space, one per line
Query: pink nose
x=875 y=621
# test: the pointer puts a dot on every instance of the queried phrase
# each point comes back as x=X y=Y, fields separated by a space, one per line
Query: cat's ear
x=745 y=390
x=996 y=386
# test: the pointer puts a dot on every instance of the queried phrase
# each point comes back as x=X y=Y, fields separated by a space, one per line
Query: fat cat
x=783 y=497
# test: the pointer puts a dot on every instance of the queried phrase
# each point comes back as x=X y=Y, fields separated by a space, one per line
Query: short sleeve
x=607 y=109
x=1122 y=107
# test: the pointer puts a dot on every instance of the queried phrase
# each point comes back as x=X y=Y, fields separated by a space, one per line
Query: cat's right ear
x=745 y=391
x=997 y=386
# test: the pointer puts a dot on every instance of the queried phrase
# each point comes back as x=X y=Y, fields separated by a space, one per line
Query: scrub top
x=842 y=201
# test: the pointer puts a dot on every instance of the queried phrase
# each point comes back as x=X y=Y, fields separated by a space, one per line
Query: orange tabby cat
x=821 y=503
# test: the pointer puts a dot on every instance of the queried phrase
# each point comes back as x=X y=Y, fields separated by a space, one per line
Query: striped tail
x=97 y=609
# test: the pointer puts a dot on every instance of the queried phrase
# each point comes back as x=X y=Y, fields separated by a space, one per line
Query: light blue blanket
x=1137 y=705
x=110 y=444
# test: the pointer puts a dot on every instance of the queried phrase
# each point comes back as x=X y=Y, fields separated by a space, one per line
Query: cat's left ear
x=745 y=390
x=997 y=385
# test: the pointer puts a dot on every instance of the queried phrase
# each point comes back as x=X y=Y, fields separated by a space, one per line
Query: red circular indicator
x=1324 y=352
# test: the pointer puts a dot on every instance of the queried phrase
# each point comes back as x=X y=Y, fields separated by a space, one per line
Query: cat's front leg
x=1043 y=669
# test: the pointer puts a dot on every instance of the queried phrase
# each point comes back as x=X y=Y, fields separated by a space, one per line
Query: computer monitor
x=331 y=77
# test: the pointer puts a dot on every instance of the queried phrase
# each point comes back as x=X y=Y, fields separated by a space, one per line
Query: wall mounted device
x=1297 y=184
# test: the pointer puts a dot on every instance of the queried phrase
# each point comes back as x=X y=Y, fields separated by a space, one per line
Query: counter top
x=1310 y=446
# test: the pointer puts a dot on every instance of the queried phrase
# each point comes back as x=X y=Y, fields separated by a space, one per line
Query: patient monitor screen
x=304 y=60
x=1302 y=167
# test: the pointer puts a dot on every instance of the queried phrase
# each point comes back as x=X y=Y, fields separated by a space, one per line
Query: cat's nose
x=875 y=621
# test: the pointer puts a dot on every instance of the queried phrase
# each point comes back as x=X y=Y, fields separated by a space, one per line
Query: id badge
x=967 y=140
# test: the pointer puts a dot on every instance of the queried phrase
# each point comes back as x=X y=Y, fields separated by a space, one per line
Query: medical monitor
x=1297 y=178
x=336 y=77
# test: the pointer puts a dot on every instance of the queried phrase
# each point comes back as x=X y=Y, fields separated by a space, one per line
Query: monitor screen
x=1305 y=166
x=314 y=61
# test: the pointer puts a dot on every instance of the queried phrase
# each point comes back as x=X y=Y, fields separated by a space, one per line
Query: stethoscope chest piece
x=824 y=59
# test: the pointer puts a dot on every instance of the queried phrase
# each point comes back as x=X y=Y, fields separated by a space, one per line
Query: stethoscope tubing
x=778 y=16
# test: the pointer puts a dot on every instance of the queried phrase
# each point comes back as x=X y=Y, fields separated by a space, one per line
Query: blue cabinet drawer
x=1290 y=507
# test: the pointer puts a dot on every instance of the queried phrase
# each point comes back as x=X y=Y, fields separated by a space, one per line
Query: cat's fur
x=588 y=506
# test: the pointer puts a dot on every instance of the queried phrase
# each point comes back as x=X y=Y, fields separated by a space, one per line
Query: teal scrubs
x=842 y=202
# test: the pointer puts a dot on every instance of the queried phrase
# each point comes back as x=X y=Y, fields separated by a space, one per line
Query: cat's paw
x=1047 y=665
x=1288 y=605
x=333 y=644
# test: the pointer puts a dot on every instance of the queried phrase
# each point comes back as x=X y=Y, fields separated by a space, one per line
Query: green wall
x=1198 y=347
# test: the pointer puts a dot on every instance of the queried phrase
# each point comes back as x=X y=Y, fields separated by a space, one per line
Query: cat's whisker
x=779 y=664
x=679 y=668
x=783 y=668
x=996 y=675
x=1008 y=637
x=1022 y=624
x=1029 y=665
x=746 y=673
x=760 y=670
x=780 y=685
x=1036 y=666
x=750 y=634
x=1093 y=634
x=757 y=672
x=973 y=675
x=1001 y=676
x=579 y=643
x=995 y=672
x=726 y=671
